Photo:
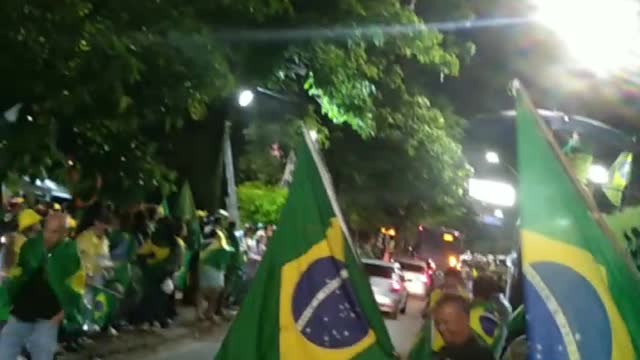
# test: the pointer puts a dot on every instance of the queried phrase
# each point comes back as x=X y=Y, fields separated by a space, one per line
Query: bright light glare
x=492 y=192
x=492 y=157
x=453 y=261
x=598 y=174
x=498 y=213
x=600 y=35
x=245 y=98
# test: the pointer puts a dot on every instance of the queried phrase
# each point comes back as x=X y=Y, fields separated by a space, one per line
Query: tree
x=381 y=183
x=398 y=126
x=102 y=82
x=260 y=203
x=94 y=78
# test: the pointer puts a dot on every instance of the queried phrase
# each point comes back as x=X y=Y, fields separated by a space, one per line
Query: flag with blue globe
x=310 y=298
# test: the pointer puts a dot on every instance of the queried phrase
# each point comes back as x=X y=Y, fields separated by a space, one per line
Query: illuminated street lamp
x=492 y=157
x=492 y=192
x=245 y=98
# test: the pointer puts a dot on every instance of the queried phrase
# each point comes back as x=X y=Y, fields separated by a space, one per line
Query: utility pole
x=232 y=196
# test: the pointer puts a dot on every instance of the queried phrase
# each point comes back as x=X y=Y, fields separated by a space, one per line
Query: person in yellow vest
x=93 y=248
x=29 y=225
x=93 y=244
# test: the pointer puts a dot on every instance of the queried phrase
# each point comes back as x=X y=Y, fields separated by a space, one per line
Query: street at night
x=320 y=180
x=403 y=332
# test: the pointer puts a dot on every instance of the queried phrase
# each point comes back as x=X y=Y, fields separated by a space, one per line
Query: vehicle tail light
x=453 y=261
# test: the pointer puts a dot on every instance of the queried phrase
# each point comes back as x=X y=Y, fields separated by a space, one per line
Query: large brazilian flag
x=310 y=298
x=581 y=292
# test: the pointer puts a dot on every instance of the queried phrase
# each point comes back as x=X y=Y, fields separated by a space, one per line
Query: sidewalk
x=128 y=344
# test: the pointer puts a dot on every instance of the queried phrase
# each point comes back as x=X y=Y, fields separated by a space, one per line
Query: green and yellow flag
x=422 y=348
x=619 y=176
x=580 y=289
x=310 y=299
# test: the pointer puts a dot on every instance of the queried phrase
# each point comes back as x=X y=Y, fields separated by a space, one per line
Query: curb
x=147 y=342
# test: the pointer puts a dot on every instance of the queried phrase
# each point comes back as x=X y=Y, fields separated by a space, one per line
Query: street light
x=598 y=174
x=245 y=98
x=600 y=35
x=492 y=157
x=492 y=192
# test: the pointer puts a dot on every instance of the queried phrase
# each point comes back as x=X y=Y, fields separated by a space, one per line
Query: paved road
x=402 y=331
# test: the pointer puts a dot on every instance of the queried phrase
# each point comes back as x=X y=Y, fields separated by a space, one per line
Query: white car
x=416 y=276
x=387 y=284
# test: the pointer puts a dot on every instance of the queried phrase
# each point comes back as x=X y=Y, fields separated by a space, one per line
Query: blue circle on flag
x=325 y=308
x=581 y=306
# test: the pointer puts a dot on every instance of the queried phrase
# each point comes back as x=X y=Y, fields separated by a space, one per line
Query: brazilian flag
x=310 y=299
x=581 y=291
x=422 y=348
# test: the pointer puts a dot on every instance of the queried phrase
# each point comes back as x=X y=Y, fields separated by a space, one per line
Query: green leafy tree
x=97 y=79
x=260 y=203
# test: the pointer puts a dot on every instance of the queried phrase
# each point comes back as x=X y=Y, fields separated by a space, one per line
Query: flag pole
x=586 y=196
x=328 y=185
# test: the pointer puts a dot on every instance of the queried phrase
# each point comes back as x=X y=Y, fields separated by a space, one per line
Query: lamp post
x=245 y=98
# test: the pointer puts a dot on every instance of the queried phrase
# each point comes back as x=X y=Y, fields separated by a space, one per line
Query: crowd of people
x=471 y=318
x=62 y=280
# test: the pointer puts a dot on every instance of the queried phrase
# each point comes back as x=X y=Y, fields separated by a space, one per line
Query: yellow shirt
x=91 y=248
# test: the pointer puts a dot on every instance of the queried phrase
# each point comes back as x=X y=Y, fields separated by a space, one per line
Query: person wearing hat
x=28 y=227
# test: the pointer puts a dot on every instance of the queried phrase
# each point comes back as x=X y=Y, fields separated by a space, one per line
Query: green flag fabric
x=185 y=206
x=165 y=208
x=310 y=298
x=422 y=349
x=581 y=290
x=64 y=272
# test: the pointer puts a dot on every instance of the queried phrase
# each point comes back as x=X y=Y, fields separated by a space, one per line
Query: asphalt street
x=402 y=331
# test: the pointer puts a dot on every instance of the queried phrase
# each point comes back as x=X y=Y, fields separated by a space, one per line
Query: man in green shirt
x=44 y=288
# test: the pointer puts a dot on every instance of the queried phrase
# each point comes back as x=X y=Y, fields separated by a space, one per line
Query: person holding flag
x=310 y=298
x=580 y=287
x=45 y=287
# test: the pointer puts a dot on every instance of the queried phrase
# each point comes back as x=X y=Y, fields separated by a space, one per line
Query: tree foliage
x=111 y=85
x=260 y=203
